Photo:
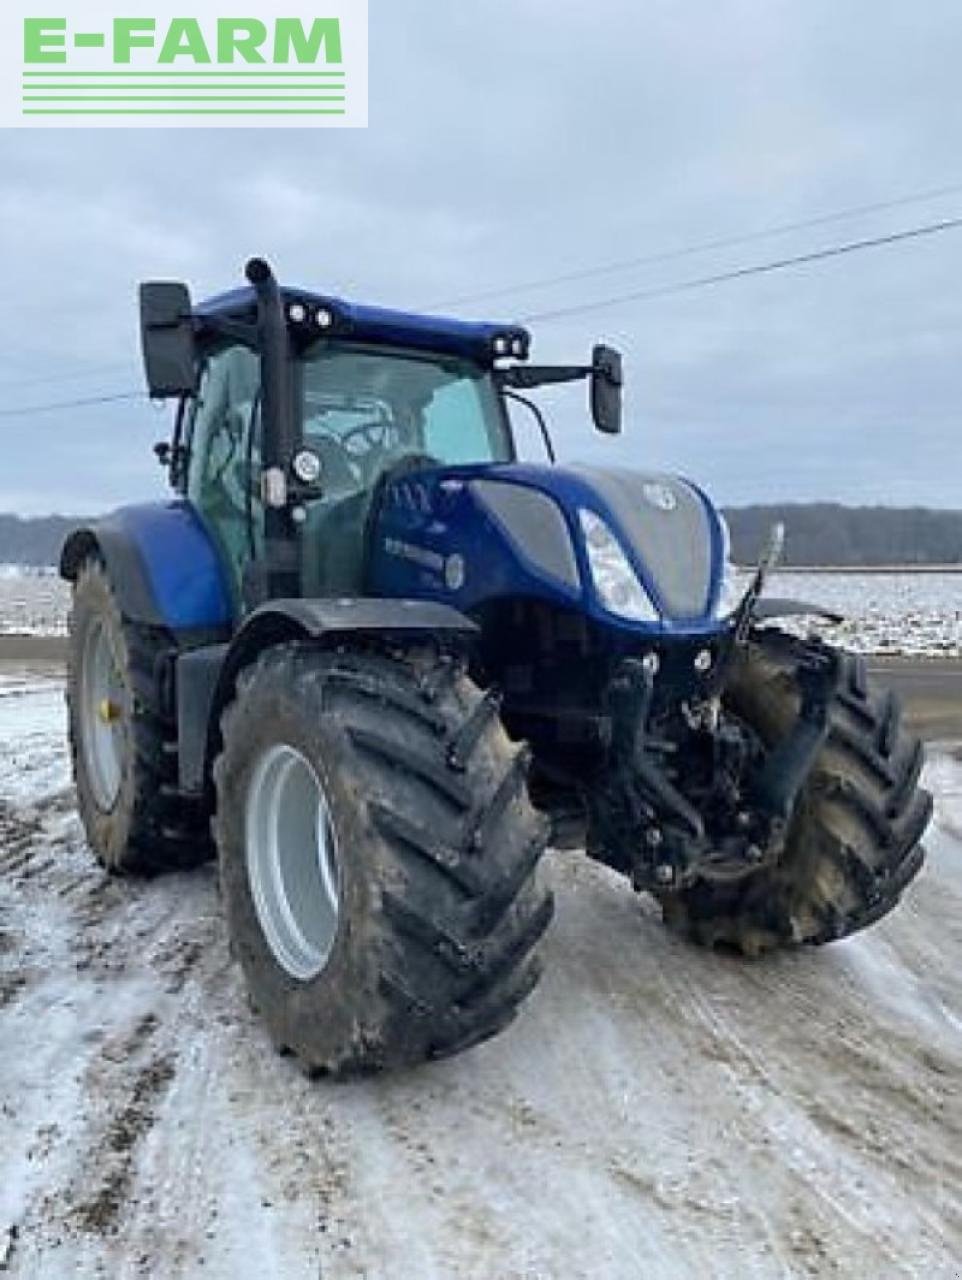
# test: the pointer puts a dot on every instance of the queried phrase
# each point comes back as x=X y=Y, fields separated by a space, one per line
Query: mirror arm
x=244 y=333
x=525 y=377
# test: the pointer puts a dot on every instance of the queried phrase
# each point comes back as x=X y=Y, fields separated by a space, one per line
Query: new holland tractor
x=378 y=664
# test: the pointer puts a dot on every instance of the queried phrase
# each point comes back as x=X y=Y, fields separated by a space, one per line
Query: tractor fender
x=163 y=565
x=772 y=607
x=207 y=678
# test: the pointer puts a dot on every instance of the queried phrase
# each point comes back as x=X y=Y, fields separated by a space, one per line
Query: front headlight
x=615 y=581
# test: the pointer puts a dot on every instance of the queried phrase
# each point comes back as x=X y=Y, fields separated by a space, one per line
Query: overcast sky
x=513 y=142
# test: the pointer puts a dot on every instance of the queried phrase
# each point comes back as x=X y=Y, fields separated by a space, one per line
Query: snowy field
x=654 y=1112
x=917 y=614
x=886 y=613
x=32 y=602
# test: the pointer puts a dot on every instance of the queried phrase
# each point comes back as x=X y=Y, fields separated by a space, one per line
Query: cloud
x=506 y=147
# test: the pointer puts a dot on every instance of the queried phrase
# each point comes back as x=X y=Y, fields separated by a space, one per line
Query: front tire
x=854 y=841
x=378 y=857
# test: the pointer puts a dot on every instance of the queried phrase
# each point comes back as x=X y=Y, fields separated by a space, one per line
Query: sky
x=510 y=144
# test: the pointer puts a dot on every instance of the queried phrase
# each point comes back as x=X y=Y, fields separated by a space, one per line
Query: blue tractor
x=378 y=665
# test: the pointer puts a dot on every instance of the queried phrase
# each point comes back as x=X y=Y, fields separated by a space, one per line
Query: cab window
x=223 y=466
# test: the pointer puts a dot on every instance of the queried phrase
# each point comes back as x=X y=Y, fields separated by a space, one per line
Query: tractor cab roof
x=311 y=315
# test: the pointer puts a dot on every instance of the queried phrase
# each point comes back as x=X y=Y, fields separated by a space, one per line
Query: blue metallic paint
x=435 y=512
x=377 y=325
x=180 y=561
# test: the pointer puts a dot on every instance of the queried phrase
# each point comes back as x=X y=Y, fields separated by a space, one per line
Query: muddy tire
x=400 y=924
x=854 y=841
x=123 y=747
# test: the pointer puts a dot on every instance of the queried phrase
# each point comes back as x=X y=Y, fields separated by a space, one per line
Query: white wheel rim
x=292 y=861
x=102 y=700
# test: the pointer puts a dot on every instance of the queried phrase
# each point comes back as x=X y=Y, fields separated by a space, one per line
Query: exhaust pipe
x=279 y=574
x=277 y=408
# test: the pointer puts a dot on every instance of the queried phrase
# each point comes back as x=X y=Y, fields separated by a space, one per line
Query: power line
x=684 y=286
x=28 y=410
x=701 y=246
x=740 y=273
x=46 y=379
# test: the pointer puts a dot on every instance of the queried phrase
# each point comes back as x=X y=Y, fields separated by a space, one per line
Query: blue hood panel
x=469 y=535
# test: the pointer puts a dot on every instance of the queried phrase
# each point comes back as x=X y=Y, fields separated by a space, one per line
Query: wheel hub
x=292 y=861
x=102 y=717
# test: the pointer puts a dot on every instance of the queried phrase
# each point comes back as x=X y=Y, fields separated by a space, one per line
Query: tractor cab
x=297 y=410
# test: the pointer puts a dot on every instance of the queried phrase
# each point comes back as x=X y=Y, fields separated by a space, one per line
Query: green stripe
x=181 y=97
x=265 y=74
x=174 y=111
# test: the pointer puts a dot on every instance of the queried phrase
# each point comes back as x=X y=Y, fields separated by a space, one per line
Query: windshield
x=364 y=410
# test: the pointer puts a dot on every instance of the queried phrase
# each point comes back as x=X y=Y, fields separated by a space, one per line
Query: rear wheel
x=123 y=746
x=853 y=844
x=378 y=857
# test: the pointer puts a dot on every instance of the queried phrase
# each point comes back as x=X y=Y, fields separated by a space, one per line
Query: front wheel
x=853 y=845
x=379 y=857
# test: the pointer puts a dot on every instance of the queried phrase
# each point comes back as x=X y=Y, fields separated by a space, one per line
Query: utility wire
x=701 y=246
x=684 y=286
x=740 y=273
x=28 y=410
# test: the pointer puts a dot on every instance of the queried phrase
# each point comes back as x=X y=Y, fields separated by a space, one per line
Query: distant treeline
x=824 y=533
x=35 y=541
x=817 y=534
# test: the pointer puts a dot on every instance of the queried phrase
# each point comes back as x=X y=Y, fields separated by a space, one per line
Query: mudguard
x=164 y=567
x=207 y=677
x=772 y=607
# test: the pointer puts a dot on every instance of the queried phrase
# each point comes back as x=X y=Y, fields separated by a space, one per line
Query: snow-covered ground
x=654 y=1112
x=886 y=613
x=32 y=602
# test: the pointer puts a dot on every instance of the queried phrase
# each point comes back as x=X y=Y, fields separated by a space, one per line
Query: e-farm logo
x=279 y=64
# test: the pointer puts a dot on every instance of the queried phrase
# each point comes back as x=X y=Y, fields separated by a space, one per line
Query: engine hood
x=668 y=528
x=469 y=534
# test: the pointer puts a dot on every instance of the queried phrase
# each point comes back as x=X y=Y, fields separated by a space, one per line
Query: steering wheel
x=373 y=434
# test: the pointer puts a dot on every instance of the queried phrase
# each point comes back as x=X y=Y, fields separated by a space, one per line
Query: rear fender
x=163 y=565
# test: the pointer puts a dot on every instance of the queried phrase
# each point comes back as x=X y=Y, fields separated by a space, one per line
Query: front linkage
x=698 y=795
x=694 y=793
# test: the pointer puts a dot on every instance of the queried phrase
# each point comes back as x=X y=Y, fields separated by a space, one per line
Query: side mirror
x=167 y=335
x=606 y=384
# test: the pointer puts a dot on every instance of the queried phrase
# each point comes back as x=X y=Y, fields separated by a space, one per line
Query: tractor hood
x=468 y=535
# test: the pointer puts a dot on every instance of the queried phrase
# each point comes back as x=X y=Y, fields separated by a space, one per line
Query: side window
x=223 y=471
x=457 y=430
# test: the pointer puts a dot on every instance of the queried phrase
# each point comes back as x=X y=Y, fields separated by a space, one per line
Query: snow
x=885 y=613
x=655 y=1111
x=32 y=602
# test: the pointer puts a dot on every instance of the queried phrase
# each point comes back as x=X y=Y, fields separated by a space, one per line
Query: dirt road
x=655 y=1112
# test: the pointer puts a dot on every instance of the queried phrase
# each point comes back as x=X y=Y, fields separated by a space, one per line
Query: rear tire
x=123 y=747
x=436 y=850
x=853 y=845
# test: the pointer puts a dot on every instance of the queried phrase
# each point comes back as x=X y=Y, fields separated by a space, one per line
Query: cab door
x=223 y=472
